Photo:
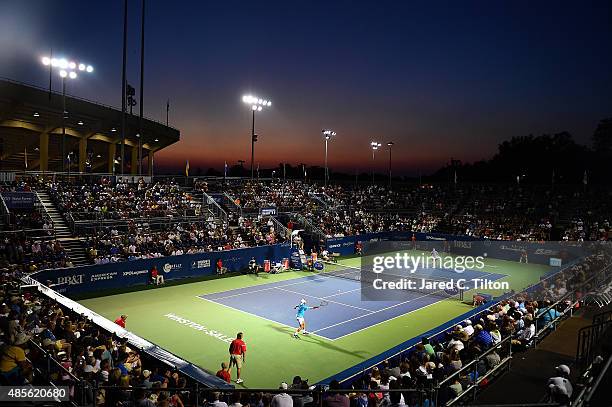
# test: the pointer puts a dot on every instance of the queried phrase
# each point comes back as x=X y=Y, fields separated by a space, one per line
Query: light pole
x=375 y=146
x=328 y=134
x=67 y=69
x=257 y=105
x=390 y=144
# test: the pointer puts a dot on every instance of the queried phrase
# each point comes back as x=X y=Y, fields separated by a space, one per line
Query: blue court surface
x=345 y=313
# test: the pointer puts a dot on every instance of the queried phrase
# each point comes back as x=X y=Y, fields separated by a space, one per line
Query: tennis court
x=345 y=312
x=195 y=320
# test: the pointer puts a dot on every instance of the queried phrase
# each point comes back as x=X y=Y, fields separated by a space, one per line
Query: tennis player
x=301 y=309
x=434 y=253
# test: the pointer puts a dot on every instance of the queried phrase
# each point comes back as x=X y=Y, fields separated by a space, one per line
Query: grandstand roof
x=28 y=111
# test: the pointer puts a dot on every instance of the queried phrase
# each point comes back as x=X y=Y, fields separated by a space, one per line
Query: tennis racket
x=323 y=304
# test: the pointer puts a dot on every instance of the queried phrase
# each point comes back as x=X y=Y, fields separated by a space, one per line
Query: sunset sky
x=440 y=79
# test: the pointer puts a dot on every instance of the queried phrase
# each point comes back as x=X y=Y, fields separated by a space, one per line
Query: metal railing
x=4 y=211
x=309 y=226
x=45 y=212
x=588 y=339
x=588 y=392
x=86 y=228
x=281 y=228
x=602 y=317
x=214 y=207
x=317 y=197
x=471 y=371
x=231 y=203
x=197 y=395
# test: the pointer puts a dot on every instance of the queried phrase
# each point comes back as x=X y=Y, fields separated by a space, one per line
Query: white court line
x=259 y=316
x=322 y=298
x=306 y=280
x=377 y=311
x=385 y=320
x=342 y=292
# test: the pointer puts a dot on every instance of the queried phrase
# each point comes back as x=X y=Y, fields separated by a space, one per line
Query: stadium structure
x=34 y=124
x=158 y=274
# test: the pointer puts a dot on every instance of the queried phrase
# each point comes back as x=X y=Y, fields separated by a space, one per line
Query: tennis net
x=419 y=281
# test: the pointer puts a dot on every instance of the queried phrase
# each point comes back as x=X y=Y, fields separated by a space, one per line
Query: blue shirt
x=301 y=310
x=484 y=338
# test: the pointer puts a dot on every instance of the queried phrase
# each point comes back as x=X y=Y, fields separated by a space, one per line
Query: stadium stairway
x=74 y=247
x=530 y=370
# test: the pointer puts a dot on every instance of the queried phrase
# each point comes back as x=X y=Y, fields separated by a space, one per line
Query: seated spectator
x=213 y=400
x=282 y=399
x=156 y=277
x=14 y=367
x=121 y=320
x=334 y=399
x=482 y=337
x=560 y=388
x=224 y=373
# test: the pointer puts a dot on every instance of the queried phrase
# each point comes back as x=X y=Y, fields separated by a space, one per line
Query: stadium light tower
x=390 y=144
x=67 y=69
x=327 y=134
x=375 y=146
x=257 y=105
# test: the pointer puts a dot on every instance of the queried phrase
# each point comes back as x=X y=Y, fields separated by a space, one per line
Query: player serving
x=301 y=309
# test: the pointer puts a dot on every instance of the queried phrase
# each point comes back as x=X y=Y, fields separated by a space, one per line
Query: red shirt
x=224 y=374
x=119 y=321
x=154 y=273
x=237 y=347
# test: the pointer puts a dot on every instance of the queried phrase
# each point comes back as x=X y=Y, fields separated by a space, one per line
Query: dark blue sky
x=440 y=79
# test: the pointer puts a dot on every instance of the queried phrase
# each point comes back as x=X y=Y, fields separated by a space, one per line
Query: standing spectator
x=237 y=351
x=121 y=320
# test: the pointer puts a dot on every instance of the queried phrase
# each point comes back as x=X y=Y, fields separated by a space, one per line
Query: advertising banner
x=19 y=200
x=79 y=280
